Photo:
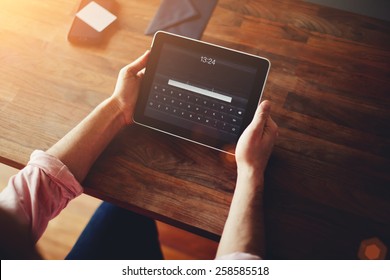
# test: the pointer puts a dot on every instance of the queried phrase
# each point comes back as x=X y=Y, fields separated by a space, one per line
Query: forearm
x=79 y=149
x=244 y=228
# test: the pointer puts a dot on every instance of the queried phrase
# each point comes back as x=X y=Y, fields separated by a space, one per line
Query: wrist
x=254 y=177
x=118 y=110
x=251 y=172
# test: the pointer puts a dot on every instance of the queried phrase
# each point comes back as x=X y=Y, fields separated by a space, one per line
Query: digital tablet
x=200 y=92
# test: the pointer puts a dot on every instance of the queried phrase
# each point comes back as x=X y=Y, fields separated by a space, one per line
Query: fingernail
x=266 y=106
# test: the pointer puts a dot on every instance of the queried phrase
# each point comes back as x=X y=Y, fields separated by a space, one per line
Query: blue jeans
x=117 y=234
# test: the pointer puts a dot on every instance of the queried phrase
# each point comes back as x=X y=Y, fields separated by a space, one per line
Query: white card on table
x=96 y=16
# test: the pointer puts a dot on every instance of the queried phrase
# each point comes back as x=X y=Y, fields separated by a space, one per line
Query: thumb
x=261 y=116
x=136 y=66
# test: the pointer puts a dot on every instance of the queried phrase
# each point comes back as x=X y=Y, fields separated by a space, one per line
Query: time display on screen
x=208 y=60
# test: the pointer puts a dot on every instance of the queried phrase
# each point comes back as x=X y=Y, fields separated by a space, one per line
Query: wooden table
x=327 y=183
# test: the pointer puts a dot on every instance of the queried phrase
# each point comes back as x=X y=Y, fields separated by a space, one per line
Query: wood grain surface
x=328 y=180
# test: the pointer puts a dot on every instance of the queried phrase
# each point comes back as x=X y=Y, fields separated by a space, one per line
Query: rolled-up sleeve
x=39 y=192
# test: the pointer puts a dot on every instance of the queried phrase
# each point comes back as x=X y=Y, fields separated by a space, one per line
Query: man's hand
x=127 y=86
x=255 y=144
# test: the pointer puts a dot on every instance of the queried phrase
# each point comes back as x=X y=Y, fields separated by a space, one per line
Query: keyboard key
x=233 y=120
x=223 y=108
x=231 y=128
x=220 y=125
x=240 y=112
x=224 y=117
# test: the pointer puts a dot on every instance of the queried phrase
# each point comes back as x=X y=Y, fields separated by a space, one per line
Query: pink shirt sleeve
x=39 y=192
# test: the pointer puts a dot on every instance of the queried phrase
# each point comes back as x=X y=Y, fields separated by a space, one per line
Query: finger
x=261 y=116
x=136 y=66
x=272 y=126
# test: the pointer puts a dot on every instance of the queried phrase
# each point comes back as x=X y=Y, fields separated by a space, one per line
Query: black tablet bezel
x=261 y=64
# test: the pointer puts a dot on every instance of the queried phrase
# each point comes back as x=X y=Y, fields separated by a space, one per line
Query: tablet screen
x=200 y=92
